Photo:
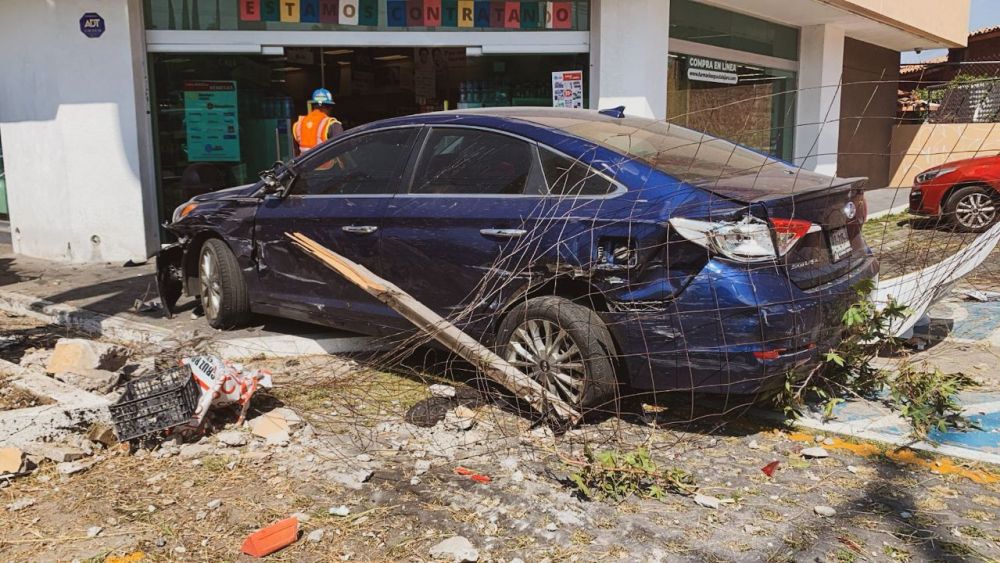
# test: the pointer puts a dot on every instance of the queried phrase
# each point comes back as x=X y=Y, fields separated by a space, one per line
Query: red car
x=964 y=192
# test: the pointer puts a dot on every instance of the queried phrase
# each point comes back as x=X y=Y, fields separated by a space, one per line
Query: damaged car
x=591 y=249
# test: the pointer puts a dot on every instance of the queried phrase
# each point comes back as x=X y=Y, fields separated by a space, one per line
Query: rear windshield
x=687 y=155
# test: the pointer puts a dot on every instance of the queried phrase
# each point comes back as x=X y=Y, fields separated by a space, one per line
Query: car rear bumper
x=736 y=331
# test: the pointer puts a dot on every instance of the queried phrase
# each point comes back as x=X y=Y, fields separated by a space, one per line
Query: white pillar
x=75 y=131
x=628 y=51
x=821 y=65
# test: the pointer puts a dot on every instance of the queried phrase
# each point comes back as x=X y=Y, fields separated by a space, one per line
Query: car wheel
x=566 y=348
x=973 y=208
x=223 y=289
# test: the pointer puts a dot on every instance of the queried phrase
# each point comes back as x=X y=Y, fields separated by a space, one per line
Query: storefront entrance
x=221 y=119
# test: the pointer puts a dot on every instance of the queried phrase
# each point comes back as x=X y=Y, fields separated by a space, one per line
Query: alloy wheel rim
x=976 y=210
x=547 y=353
x=211 y=287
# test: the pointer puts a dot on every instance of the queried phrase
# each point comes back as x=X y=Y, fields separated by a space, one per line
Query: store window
x=747 y=104
x=344 y=15
x=467 y=161
x=363 y=165
x=700 y=23
x=221 y=119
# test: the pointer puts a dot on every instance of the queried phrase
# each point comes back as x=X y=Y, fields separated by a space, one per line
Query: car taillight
x=788 y=232
x=750 y=239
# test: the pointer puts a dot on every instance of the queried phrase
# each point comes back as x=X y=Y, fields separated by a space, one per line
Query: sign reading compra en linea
x=414 y=13
x=701 y=69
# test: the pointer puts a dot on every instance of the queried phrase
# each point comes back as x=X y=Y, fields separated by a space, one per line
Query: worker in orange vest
x=319 y=125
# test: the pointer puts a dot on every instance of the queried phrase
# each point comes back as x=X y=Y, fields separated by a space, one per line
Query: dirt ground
x=397 y=482
x=357 y=451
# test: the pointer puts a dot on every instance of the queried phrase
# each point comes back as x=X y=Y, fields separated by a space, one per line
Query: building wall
x=945 y=20
x=867 y=111
x=628 y=54
x=74 y=128
x=916 y=148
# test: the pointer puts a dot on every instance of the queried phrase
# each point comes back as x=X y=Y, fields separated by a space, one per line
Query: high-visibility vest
x=311 y=130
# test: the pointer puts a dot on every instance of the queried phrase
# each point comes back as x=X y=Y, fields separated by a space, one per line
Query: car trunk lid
x=835 y=206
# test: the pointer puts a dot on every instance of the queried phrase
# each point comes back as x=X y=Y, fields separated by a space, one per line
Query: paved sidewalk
x=887 y=201
x=112 y=290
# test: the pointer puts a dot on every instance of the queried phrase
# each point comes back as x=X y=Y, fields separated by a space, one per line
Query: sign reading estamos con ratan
x=414 y=13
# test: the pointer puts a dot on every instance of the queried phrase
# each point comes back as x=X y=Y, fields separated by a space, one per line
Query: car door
x=466 y=227
x=338 y=198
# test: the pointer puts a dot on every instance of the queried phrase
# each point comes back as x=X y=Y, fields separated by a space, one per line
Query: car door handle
x=503 y=233
x=359 y=230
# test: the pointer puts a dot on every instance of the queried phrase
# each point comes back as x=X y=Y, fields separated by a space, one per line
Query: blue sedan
x=589 y=248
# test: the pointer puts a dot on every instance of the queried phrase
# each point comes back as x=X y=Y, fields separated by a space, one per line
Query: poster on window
x=424 y=74
x=211 y=121
x=567 y=89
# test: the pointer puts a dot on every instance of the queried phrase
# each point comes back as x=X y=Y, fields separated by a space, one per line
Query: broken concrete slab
x=11 y=460
x=73 y=467
x=443 y=391
x=74 y=410
x=232 y=438
x=98 y=380
x=276 y=425
x=114 y=328
x=58 y=453
x=457 y=549
x=35 y=358
x=76 y=354
x=102 y=434
x=195 y=451
x=353 y=480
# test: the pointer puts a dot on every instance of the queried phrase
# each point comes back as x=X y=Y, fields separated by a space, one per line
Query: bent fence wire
x=595 y=292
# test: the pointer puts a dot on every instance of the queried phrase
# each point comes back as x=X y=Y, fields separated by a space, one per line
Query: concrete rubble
x=457 y=549
x=76 y=354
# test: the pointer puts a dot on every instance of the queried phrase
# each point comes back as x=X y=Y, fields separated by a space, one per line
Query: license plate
x=840 y=244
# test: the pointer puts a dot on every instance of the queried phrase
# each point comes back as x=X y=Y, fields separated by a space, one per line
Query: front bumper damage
x=170 y=275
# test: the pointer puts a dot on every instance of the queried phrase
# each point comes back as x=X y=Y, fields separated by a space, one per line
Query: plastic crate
x=154 y=403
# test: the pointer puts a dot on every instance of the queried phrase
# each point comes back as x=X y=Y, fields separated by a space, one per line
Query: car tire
x=588 y=384
x=973 y=209
x=223 y=291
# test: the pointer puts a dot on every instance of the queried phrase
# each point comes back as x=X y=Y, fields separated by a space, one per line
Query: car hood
x=772 y=182
x=967 y=162
x=237 y=191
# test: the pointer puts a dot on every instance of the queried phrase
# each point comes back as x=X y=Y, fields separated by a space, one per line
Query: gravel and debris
x=367 y=485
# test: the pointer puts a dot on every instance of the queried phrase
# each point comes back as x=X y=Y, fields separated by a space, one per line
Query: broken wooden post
x=492 y=365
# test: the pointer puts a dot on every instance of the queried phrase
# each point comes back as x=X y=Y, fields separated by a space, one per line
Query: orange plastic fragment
x=464 y=470
x=266 y=541
x=941 y=465
x=769 y=468
x=480 y=478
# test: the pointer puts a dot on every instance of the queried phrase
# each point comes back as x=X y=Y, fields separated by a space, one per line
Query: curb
x=113 y=328
x=852 y=431
x=887 y=212
x=142 y=334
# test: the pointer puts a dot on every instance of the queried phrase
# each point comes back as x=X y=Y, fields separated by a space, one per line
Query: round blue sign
x=92 y=25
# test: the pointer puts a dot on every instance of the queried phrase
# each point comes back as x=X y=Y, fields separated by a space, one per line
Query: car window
x=366 y=164
x=568 y=177
x=471 y=161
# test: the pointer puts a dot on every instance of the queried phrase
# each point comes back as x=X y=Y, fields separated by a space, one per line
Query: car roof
x=561 y=119
x=682 y=153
